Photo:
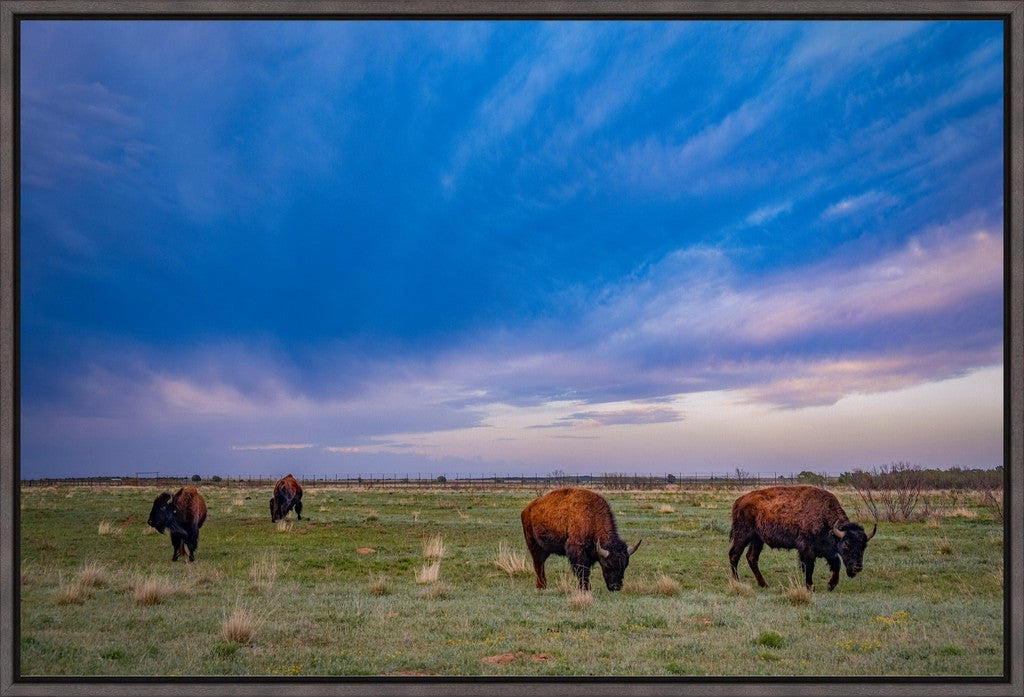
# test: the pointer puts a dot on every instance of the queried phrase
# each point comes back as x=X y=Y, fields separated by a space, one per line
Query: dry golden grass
x=665 y=508
x=92 y=574
x=151 y=591
x=433 y=547
x=567 y=583
x=511 y=561
x=962 y=512
x=739 y=587
x=284 y=526
x=429 y=573
x=665 y=585
x=72 y=593
x=434 y=591
x=580 y=599
x=798 y=593
x=378 y=585
x=148 y=530
x=109 y=527
x=239 y=626
x=238 y=502
x=263 y=572
x=934 y=523
x=945 y=546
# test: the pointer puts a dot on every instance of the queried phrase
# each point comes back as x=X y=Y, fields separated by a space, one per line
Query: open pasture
x=437 y=581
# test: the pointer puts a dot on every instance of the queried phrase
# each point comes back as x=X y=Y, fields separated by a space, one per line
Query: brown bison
x=578 y=524
x=184 y=514
x=805 y=518
x=287 y=495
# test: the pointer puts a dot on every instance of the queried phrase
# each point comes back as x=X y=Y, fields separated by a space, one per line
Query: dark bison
x=184 y=514
x=578 y=524
x=805 y=518
x=287 y=495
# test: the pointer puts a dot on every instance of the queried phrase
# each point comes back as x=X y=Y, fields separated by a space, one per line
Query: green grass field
x=337 y=593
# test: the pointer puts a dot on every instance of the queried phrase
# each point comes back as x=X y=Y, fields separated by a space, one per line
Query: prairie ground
x=432 y=581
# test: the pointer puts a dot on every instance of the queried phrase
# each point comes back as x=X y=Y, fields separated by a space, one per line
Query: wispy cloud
x=874 y=200
x=274 y=446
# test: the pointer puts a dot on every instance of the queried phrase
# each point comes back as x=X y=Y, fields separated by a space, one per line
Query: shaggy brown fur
x=578 y=524
x=805 y=518
x=184 y=513
x=287 y=495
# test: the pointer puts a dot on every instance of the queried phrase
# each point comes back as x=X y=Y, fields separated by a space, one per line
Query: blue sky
x=350 y=247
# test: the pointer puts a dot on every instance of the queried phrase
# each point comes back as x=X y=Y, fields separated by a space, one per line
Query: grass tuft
x=109 y=527
x=263 y=572
x=666 y=585
x=510 y=561
x=152 y=591
x=435 y=591
x=92 y=574
x=665 y=508
x=284 y=526
x=798 y=593
x=580 y=599
x=945 y=546
x=378 y=585
x=73 y=593
x=433 y=548
x=429 y=573
x=739 y=587
x=239 y=627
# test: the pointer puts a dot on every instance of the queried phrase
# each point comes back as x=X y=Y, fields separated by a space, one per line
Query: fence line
x=617 y=481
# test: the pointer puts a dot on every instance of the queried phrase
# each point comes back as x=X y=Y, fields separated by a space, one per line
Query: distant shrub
x=441 y=479
x=196 y=478
x=215 y=478
x=772 y=640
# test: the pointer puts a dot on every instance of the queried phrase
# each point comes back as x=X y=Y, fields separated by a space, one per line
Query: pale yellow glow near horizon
x=936 y=424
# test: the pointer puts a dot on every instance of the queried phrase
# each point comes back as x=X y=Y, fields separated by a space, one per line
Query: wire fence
x=611 y=481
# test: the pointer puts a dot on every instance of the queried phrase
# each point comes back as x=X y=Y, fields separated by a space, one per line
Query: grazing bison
x=184 y=514
x=578 y=524
x=287 y=495
x=805 y=518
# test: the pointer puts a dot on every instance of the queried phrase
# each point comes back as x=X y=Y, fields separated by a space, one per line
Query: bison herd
x=579 y=524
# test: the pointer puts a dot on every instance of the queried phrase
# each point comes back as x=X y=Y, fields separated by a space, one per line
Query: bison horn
x=873 y=531
x=837 y=532
x=601 y=551
x=634 y=547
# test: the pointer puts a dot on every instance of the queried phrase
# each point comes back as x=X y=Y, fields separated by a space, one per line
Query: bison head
x=273 y=510
x=851 y=544
x=162 y=514
x=614 y=561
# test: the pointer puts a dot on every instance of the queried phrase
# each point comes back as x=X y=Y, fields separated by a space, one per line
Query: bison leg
x=580 y=565
x=176 y=543
x=538 y=568
x=298 y=508
x=735 y=552
x=833 y=564
x=539 y=557
x=193 y=544
x=807 y=562
x=753 y=554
